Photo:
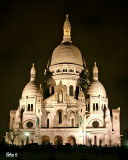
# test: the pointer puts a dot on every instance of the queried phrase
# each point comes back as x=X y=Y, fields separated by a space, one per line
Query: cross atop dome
x=67 y=30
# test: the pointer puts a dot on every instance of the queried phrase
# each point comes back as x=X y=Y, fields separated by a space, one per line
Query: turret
x=81 y=96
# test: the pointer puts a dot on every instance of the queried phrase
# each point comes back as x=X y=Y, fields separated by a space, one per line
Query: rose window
x=95 y=124
x=29 y=124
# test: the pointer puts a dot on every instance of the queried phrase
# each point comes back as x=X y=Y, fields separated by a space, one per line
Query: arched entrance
x=58 y=140
x=45 y=140
x=71 y=140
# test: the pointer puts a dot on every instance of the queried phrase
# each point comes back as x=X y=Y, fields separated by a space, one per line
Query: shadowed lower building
x=66 y=108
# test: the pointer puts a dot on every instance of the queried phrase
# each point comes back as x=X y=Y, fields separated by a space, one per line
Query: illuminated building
x=69 y=109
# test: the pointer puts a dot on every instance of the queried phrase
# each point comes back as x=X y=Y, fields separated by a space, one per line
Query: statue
x=60 y=97
x=37 y=121
x=80 y=120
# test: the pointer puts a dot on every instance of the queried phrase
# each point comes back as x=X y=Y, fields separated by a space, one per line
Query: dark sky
x=29 y=32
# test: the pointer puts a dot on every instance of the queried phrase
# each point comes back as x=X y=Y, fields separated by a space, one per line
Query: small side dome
x=31 y=90
x=96 y=88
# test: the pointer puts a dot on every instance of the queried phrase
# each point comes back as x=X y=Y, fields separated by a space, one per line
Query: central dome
x=66 y=53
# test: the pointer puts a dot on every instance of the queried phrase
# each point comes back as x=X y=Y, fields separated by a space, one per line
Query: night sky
x=29 y=32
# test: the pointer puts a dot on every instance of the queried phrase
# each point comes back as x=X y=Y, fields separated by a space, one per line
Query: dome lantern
x=95 y=72
x=32 y=73
x=67 y=31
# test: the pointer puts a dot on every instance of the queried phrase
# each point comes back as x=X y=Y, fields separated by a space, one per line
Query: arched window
x=64 y=70
x=71 y=90
x=47 y=123
x=28 y=107
x=72 y=122
x=31 y=107
x=71 y=70
x=97 y=106
x=21 y=115
x=96 y=74
x=52 y=90
x=77 y=71
x=88 y=108
x=93 y=106
x=33 y=75
x=77 y=92
x=58 y=70
x=47 y=92
x=60 y=117
x=104 y=107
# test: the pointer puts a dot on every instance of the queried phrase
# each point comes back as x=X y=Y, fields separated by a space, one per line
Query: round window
x=29 y=124
x=95 y=124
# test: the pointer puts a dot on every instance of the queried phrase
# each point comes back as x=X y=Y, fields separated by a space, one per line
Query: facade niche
x=60 y=97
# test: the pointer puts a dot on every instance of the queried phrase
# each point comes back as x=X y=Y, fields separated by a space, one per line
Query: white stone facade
x=69 y=109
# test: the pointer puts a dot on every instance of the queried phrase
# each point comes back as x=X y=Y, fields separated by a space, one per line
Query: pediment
x=71 y=99
x=50 y=99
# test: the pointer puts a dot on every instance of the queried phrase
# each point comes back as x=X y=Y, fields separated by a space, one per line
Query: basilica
x=66 y=107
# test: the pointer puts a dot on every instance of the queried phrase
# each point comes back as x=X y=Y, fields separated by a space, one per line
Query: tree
x=12 y=135
x=125 y=137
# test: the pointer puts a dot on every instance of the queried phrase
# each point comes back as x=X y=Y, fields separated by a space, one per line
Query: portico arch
x=71 y=140
x=45 y=140
x=58 y=140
